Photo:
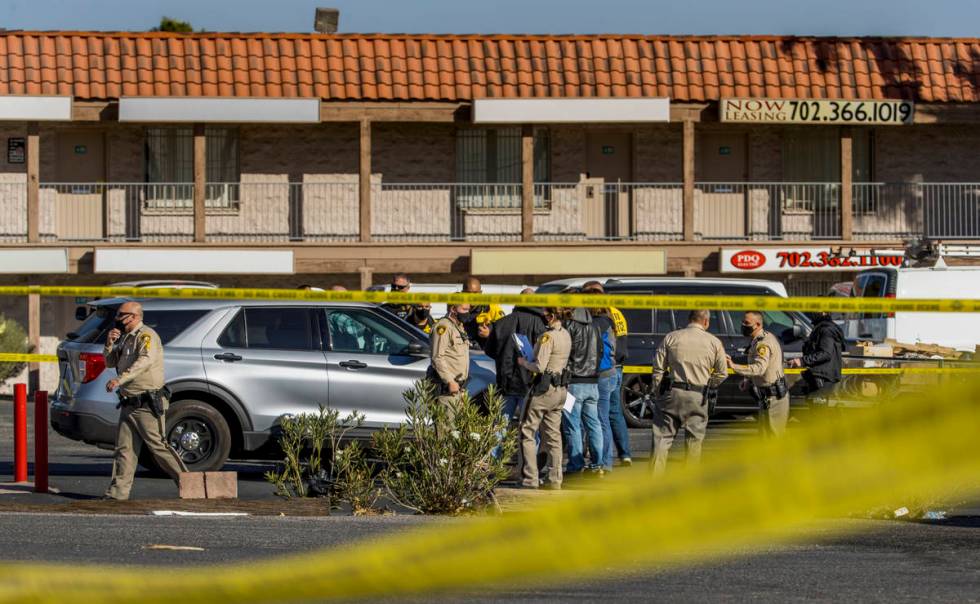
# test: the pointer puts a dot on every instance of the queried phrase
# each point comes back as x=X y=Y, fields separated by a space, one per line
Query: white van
x=439 y=310
x=954 y=330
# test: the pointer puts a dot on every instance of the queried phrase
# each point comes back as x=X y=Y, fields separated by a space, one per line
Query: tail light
x=93 y=365
x=890 y=315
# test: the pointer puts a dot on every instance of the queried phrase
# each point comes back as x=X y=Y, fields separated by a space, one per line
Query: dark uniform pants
x=137 y=427
x=682 y=409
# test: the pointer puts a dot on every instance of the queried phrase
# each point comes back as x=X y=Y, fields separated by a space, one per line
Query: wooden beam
x=688 y=195
x=34 y=340
x=391 y=112
x=367 y=276
x=846 y=184
x=364 y=181
x=200 y=182
x=527 y=182
x=693 y=112
x=33 y=182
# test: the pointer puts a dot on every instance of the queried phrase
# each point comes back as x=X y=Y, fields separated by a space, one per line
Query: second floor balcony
x=420 y=213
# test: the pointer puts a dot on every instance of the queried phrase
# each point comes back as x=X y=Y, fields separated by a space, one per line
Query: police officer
x=400 y=284
x=763 y=375
x=696 y=361
x=450 y=368
x=138 y=360
x=551 y=352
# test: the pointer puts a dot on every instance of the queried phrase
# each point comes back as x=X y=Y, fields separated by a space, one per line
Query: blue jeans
x=585 y=410
x=606 y=386
x=620 y=432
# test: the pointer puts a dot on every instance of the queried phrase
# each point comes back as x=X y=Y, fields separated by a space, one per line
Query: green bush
x=345 y=476
x=13 y=339
x=435 y=464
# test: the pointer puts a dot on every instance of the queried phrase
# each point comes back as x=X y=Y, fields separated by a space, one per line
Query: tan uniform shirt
x=450 y=350
x=138 y=359
x=765 y=364
x=552 y=350
x=693 y=357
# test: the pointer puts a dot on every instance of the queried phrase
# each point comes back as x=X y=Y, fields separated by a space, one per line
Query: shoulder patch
x=762 y=350
x=440 y=329
x=145 y=340
x=545 y=338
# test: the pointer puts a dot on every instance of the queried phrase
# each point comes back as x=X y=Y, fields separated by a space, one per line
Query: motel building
x=273 y=160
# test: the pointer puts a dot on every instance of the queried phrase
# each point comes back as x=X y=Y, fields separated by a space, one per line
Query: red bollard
x=41 y=441
x=20 y=432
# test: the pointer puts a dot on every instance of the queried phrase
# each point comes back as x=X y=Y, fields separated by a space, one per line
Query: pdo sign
x=809 y=259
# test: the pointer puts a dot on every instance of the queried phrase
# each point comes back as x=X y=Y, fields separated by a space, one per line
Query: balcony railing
x=591 y=210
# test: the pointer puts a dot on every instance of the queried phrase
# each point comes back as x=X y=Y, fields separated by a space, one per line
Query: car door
x=371 y=364
x=271 y=359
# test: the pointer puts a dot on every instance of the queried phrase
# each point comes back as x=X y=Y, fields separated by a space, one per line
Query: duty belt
x=686 y=386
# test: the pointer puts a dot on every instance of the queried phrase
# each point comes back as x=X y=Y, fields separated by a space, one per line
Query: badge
x=762 y=350
x=440 y=330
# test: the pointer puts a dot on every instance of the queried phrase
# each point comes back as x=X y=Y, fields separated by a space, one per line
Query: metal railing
x=766 y=211
x=591 y=210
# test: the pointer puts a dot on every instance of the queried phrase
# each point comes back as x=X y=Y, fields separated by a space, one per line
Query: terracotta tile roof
x=382 y=67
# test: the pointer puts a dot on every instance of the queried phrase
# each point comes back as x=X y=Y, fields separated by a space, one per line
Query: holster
x=442 y=388
x=154 y=400
x=710 y=396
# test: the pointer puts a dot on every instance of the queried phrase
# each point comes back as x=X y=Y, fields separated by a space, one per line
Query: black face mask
x=464 y=317
x=420 y=314
x=747 y=330
x=119 y=325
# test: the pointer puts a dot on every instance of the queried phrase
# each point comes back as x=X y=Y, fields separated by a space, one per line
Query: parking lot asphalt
x=874 y=561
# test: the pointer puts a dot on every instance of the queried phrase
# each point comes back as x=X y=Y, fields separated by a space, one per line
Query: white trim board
x=170 y=261
x=34 y=261
x=35 y=108
x=228 y=110
x=570 y=111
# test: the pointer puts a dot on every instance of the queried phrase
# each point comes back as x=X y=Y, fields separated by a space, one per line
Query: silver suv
x=235 y=367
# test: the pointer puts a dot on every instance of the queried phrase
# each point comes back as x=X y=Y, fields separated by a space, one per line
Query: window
x=167 y=323
x=638 y=320
x=664 y=322
x=363 y=332
x=488 y=166
x=812 y=155
x=271 y=329
x=715 y=325
x=170 y=167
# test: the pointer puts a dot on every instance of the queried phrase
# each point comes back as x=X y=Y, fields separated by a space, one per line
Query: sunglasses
x=123 y=315
x=397 y=288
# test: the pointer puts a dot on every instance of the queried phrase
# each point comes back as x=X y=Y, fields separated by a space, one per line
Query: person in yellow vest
x=482 y=316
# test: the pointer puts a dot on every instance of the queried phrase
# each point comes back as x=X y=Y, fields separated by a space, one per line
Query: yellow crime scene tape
x=758 y=494
x=841 y=305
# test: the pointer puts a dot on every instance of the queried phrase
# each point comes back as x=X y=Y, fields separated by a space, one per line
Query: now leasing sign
x=801 y=111
x=806 y=259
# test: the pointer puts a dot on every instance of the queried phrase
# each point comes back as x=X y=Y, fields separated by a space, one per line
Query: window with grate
x=170 y=167
x=488 y=166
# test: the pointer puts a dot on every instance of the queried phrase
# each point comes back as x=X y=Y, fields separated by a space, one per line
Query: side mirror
x=798 y=332
x=791 y=334
x=81 y=313
x=416 y=349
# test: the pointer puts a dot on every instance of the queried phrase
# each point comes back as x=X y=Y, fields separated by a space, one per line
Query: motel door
x=79 y=196
x=721 y=199
x=607 y=211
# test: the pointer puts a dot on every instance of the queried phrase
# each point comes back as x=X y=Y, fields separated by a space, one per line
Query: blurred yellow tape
x=867 y=305
x=646 y=369
x=755 y=496
x=8 y=357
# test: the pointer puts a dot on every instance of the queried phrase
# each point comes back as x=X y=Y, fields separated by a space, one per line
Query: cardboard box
x=209 y=485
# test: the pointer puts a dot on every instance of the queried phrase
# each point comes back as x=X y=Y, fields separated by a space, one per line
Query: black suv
x=648 y=327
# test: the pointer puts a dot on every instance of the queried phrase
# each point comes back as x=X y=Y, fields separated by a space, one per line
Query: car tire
x=637 y=400
x=199 y=434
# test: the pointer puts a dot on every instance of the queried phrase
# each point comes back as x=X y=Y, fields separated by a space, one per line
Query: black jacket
x=586 y=347
x=823 y=349
x=512 y=379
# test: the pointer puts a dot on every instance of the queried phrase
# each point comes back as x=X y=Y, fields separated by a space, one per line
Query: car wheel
x=198 y=433
x=638 y=400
